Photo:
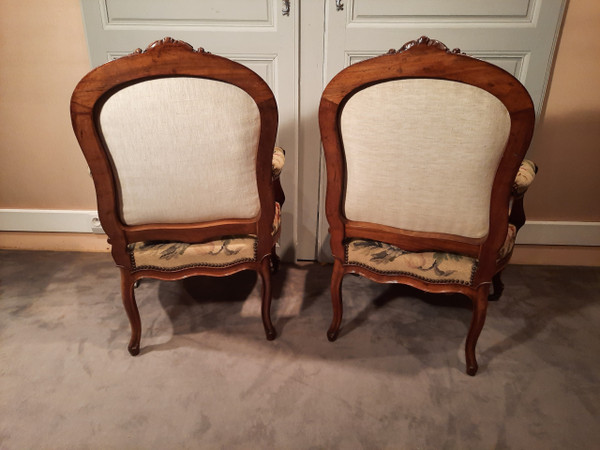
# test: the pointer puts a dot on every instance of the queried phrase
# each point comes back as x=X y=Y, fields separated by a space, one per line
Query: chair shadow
x=207 y=303
x=202 y=303
x=539 y=306
x=533 y=306
x=278 y=280
x=399 y=291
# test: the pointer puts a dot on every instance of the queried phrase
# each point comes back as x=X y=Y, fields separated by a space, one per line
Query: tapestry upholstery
x=194 y=161
x=433 y=267
x=277 y=218
x=278 y=161
x=509 y=242
x=440 y=143
x=171 y=256
x=524 y=177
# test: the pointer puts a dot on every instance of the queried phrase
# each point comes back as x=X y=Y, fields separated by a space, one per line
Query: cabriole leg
x=128 y=296
x=336 y=300
x=480 y=301
x=265 y=275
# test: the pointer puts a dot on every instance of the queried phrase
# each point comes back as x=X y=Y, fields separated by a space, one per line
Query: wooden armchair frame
x=164 y=59
x=426 y=58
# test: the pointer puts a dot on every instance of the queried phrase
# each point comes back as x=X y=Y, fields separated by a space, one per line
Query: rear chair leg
x=336 y=300
x=479 y=299
x=128 y=296
x=498 y=287
x=265 y=275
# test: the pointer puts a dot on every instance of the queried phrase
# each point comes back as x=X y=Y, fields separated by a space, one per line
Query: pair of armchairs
x=424 y=151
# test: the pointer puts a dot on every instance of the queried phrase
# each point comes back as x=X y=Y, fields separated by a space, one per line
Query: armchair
x=180 y=145
x=422 y=148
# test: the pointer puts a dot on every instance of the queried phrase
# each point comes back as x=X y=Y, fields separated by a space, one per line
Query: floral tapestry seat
x=224 y=252
x=433 y=267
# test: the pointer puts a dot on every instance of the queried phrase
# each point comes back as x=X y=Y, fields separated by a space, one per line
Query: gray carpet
x=207 y=378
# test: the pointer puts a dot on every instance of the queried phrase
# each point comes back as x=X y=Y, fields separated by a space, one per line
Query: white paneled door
x=297 y=47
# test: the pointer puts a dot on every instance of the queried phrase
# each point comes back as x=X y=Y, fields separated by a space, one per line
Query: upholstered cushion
x=184 y=150
x=440 y=143
x=433 y=267
x=524 y=177
x=171 y=256
x=278 y=161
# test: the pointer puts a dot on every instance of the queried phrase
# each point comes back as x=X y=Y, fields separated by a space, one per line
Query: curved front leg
x=128 y=297
x=336 y=300
x=265 y=275
x=480 y=302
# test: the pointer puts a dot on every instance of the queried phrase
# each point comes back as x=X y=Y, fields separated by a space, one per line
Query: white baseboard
x=50 y=220
x=549 y=232
x=585 y=234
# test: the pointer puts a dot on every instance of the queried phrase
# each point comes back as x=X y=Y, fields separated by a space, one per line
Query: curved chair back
x=179 y=143
x=422 y=146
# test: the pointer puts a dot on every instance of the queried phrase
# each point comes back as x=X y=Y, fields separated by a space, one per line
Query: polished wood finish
x=172 y=58
x=425 y=58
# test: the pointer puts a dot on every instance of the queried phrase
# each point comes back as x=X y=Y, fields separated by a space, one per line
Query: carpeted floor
x=207 y=378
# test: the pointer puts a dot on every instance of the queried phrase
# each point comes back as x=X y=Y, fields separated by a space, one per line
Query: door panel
x=131 y=13
x=254 y=33
x=524 y=45
x=382 y=11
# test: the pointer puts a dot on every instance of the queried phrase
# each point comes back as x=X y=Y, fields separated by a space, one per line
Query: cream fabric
x=184 y=150
x=171 y=256
x=422 y=154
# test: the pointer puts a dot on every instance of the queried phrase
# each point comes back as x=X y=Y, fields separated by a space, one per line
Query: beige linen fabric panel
x=184 y=150
x=422 y=154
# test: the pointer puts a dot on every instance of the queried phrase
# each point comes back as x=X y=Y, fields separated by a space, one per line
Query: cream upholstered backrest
x=184 y=150
x=421 y=155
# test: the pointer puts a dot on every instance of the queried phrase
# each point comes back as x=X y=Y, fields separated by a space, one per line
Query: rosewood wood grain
x=431 y=59
x=172 y=58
